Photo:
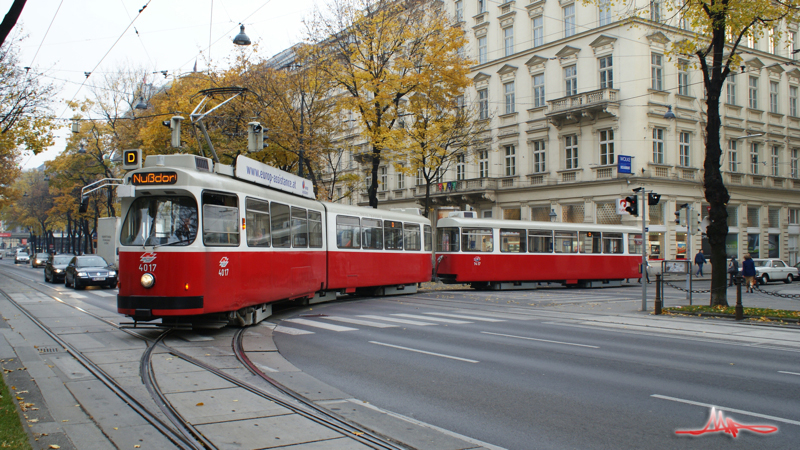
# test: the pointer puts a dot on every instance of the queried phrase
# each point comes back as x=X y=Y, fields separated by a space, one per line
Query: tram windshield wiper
x=182 y=241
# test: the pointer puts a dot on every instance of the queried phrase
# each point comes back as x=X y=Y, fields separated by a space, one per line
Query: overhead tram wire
x=88 y=74
x=30 y=64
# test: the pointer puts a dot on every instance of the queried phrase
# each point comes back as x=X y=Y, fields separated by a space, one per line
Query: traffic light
x=633 y=205
x=653 y=198
x=680 y=217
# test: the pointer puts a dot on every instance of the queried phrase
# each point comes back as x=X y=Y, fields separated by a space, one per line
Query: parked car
x=775 y=270
x=10 y=253
x=22 y=258
x=89 y=270
x=39 y=259
x=55 y=267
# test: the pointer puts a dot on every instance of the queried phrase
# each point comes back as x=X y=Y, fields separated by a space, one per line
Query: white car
x=22 y=257
x=775 y=270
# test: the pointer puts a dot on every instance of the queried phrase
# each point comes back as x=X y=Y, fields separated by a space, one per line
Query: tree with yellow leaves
x=378 y=53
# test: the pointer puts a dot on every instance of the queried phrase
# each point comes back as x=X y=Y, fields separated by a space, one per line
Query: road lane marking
x=392 y=319
x=540 y=340
x=435 y=319
x=76 y=295
x=292 y=331
x=326 y=326
x=724 y=408
x=424 y=352
x=790 y=373
x=367 y=323
x=459 y=316
x=103 y=294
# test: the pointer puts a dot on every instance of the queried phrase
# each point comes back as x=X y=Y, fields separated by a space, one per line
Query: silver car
x=775 y=270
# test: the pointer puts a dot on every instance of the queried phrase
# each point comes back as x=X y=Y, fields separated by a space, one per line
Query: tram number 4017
x=223 y=272
x=147 y=267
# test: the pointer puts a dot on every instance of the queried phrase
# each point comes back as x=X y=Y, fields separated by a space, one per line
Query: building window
x=481 y=6
x=793 y=45
x=604 y=9
x=731 y=87
x=658 y=145
x=771 y=40
x=569 y=20
x=459 y=11
x=774 y=163
x=571 y=152
x=753 y=93
x=733 y=160
x=461 y=167
x=655 y=11
x=685 y=138
x=571 y=80
x=420 y=178
x=683 y=77
x=538 y=91
x=656 y=71
x=794 y=216
x=750 y=41
x=401 y=180
x=483 y=104
x=538 y=31
x=773 y=97
x=606 y=147
x=482 y=50
x=508 y=92
x=511 y=160
x=754 y=158
x=539 y=165
x=793 y=101
x=483 y=164
x=793 y=163
x=508 y=40
x=384 y=178
x=606 y=73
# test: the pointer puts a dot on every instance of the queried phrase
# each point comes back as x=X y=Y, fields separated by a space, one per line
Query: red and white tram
x=504 y=254
x=200 y=242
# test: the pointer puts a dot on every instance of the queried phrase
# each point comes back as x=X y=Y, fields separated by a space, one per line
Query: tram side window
x=257 y=222
x=540 y=241
x=477 y=240
x=566 y=242
x=220 y=219
x=372 y=231
x=314 y=229
x=634 y=244
x=512 y=241
x=612 y=243
x=348 y=232
x=412 y=236
x=299 y=228
x=589 y=242
x=393 y=234
x=281 y=226
x=447 y=240
x=426 y=235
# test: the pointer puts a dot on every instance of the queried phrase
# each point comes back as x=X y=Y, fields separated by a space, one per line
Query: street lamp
x=241 y=38
x=669 y=114
x=553 y=215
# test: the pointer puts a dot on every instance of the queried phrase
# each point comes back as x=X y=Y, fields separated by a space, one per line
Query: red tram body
x=502 y=254
x=199 y=242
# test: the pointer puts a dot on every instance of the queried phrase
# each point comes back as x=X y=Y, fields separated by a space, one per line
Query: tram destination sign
x=153 y=178
x=251 y=170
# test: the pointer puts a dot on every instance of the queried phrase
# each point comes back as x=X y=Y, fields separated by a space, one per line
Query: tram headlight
x=148 y=280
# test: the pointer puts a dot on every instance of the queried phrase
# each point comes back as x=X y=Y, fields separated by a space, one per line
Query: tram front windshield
x=163 y=220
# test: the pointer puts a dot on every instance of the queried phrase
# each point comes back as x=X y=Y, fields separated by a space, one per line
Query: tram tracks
x=173 y=425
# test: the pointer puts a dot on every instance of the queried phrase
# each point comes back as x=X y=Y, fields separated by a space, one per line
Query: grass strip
x=12 y=435
x=762 y=313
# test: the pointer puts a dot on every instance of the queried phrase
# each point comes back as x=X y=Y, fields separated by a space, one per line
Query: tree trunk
x=11 y=19
x=372 y=191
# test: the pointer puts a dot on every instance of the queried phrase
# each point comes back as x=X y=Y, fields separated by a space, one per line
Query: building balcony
x=588 y=104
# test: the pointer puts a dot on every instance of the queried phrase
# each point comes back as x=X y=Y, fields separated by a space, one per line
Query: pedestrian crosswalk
x=323 y=322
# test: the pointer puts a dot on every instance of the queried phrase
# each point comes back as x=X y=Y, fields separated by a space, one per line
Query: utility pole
x=645 y=243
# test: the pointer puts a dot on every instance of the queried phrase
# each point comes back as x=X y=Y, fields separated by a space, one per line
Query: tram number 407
x=223 y=272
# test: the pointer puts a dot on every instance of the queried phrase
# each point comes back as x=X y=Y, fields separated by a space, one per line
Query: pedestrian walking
x=749 y=272
x=699 y=260
x=733 y=270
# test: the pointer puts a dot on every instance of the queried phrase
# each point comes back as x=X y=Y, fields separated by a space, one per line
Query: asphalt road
x=529 y=378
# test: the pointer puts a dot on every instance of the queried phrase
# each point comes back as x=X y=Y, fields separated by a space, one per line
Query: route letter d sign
x=132 y=159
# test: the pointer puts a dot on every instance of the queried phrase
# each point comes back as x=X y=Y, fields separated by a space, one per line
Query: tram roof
x=527 y=224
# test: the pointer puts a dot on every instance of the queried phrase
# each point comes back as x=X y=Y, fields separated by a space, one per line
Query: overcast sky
x=103 y=35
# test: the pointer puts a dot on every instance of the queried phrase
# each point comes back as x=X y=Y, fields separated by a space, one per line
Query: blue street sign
x=624 y=164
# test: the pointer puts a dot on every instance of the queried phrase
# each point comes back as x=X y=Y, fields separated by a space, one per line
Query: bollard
x=658 y=294
x=739 y=308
